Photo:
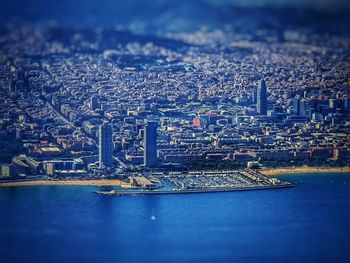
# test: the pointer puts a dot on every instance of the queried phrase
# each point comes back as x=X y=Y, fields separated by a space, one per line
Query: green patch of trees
x=9 y=147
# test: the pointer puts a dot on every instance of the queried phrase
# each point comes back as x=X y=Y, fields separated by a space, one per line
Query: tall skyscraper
x=296 y=106
x=347 y=103
x=150 y=144
x=200 y=92
x=93 y=102
x=261 y=101
x=105 y=146
x=335 y=103
x=305 y=108
x=254 y=96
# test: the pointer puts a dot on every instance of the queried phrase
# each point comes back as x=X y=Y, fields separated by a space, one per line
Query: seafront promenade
x=77 y=182
x=115 y=182
x=168 y=181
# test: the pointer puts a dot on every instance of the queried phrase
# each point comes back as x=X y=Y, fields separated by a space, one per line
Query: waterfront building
x=261 y=103
x=150 y=144
x=7 y=170
x=105 y=146
x=50 y=168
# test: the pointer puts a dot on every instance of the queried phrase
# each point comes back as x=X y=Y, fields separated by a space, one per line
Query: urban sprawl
x=108 y=103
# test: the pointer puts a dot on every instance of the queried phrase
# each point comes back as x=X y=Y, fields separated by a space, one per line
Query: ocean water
x=307 y=223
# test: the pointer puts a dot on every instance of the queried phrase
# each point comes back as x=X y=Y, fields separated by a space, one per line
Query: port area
x=198 y=182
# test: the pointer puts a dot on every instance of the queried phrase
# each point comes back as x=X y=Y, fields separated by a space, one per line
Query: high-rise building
x=335 y=103
x=105 y=146
x=296 y=106
x=93 y=102
x=254 y=96
x=200 y=92
x=305 y=108
x=347 y=103
x=150 y=144
x=261 y=101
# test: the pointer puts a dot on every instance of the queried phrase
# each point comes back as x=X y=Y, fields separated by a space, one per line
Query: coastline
x=95 y=182
x=303 y=169
x=115 y=182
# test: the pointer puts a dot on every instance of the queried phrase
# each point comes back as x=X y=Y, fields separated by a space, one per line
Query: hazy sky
x=316 y=4
x=102 y=12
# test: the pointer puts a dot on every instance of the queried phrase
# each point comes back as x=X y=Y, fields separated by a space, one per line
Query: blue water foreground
x=307 y=223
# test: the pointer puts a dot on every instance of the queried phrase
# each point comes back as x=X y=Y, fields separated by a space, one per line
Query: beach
x=116 y=182
x=303 y=170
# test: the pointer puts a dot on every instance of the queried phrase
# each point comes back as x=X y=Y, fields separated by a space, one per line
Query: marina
x=198 y=182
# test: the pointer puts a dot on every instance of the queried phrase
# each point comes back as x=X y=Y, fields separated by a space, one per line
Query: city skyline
x=174 y=131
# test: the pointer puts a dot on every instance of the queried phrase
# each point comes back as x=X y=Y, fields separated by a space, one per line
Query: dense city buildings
x=75 y=101
x=105 y=146
x=130 y=131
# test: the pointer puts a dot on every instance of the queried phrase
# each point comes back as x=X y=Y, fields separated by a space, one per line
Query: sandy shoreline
x=306 y=169
x=116 y=182
x=102 y=182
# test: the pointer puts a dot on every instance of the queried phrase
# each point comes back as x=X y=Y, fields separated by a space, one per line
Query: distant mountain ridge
x=161 y=16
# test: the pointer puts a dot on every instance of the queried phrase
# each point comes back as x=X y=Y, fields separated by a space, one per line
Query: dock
x=204 y=182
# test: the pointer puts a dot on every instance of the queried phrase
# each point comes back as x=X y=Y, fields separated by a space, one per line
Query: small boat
x=112 y=192
x=153 y=217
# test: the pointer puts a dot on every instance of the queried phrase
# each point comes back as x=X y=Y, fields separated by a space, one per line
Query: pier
x=203 y=182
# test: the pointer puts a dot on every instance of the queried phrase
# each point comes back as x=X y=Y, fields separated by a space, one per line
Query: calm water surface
x=307 y=223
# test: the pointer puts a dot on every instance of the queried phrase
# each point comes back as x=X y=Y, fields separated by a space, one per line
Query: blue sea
x=307 y=223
